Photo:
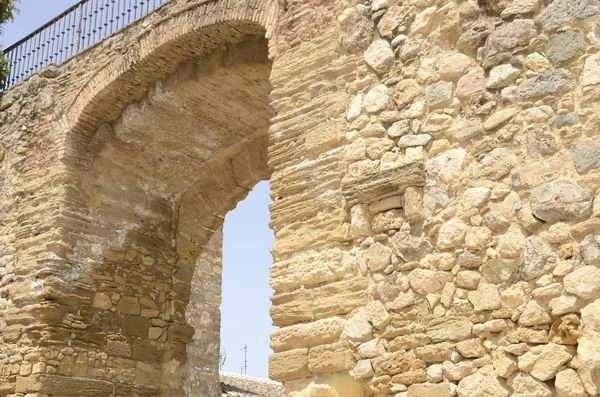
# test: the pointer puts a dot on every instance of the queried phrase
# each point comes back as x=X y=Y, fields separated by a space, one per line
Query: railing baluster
x=79 y=27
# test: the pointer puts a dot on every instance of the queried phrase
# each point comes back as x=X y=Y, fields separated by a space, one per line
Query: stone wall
x=471 y=183
x=434 y=170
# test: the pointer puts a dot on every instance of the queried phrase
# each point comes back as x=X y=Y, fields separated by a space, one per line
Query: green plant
x=7 y=13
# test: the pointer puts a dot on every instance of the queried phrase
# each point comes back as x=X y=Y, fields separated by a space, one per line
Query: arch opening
x=153 y=190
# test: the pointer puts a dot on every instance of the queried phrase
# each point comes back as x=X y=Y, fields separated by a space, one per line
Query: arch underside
x=153 y=188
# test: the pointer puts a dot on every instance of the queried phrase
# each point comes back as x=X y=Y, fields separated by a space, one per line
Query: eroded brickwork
x=434 y=168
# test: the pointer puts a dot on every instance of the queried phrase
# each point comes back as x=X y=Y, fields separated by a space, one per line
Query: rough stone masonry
x=435 y=175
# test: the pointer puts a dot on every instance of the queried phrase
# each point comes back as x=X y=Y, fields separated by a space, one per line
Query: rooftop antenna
x=245 y=367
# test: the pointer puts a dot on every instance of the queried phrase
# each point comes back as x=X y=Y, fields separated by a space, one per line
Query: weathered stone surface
x=380 y=56
x=586 y=155
x=438 y=94
x=451 y=235
x=454 y=66
x=543 y=362
x=505 y=39
x=429 y=389
x=561 y=200
x=549 y=83
x=482 y=383
x=389 y=182
x=307 y=335
x=583 y=282
x=449 y=329
x=291 y=364
x=406 y=91
x=563 y=12
x=330 y=359
x=534 y=314
x=409 y=247
x=357 y=30
x=377 y=99
x=502 y=76
x=485 y=298
x=568 y=384
x=591 y=70
x=565 y=46
x=474 y=275
x=471 y=86
x=526 y=385
x=535 y=258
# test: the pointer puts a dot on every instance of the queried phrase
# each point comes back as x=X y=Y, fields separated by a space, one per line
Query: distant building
x=233 y=385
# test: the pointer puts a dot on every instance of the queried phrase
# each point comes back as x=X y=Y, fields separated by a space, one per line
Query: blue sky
x=247 y=240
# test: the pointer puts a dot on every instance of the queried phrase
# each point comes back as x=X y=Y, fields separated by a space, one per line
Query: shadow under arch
x=158 y=151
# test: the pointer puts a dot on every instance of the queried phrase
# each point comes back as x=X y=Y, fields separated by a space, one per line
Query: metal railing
x=73 y=30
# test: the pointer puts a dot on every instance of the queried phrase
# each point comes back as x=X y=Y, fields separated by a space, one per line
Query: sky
x=247 y=240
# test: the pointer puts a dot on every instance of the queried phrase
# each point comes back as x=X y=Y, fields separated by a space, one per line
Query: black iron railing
x=70 y=32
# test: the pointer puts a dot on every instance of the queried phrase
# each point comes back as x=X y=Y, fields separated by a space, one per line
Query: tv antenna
x=245 y=367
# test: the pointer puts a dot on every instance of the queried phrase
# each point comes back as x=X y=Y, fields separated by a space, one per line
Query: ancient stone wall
x=434 y=169
x=471 y=183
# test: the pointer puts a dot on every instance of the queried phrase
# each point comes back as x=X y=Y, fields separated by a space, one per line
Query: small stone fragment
x=438 y=94
x=485 y=298
x=534 y=314
x=377 y=99
x=502 y=76
x=406 y=91
x=380 y=56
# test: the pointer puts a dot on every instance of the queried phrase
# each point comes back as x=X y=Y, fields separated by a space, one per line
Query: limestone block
x=405 y=92
x=307 y=335
x=371 y=349
x=331 y=386
x=485 y=298
x=358 y=327
x=449 y=329
x=483 y=383
x=548 y=83
x=583 y=282
x=386 y=183
x=325 y=301
x=568 y=384
x=534 y=314
x=394 y=363
x=330 y=358
x=543 y=362
x=471 y=348
x=454 y=66
x=561 y=200
x=377 y=98
x=525 y=385
x=292 y=364
x=451 y=234
x=380 y=56
x=310 y=268
x=378 y=315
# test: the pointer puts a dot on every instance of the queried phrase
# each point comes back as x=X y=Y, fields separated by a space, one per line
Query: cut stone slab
x=382 y=184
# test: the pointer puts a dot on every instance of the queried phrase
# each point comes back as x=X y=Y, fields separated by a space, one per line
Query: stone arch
x=160 y=145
